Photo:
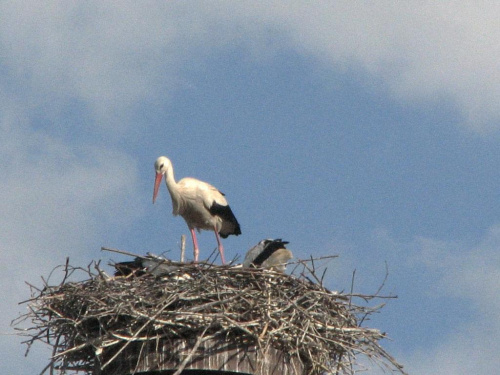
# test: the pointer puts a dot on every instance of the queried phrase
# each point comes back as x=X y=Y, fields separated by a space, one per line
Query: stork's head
x=162 y=165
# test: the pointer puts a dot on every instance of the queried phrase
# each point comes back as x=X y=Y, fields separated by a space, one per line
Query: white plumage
x=200 y=204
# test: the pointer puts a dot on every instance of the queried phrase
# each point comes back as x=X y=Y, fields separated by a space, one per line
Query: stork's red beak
x=157 y=185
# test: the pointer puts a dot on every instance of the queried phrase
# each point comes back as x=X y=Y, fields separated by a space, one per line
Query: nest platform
x=200 y=316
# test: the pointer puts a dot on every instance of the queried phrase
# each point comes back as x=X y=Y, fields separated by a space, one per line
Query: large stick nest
x=83 y=320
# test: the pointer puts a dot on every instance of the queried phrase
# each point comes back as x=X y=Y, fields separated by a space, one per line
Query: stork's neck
x=170 y=180
x=173 y=190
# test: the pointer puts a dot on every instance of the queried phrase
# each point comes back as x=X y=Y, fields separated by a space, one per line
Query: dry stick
x=104 y=276
x=46 y=367
x=135 y=335
x=65 y=272
x=183 y=247
x=352 y=287
x=384 y=281
x=378 y=291
x=139 y=356
x=122 y=252
x=312 y=269
x=45 y=282
x=54 y=351
x=70 y=350
x=211 y=304
x=213 y=256
x=191 y=353
x=323 y=276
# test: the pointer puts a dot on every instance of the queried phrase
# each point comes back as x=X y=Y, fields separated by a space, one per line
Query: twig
x=183 y=248
x=122 y=252
x=191 y=353
x=135 y=335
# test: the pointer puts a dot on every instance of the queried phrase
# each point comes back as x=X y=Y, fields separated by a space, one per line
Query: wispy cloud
x=471 y=273
x=459 y=283
x=114 y=58
x=424 y=52
x=56 y=201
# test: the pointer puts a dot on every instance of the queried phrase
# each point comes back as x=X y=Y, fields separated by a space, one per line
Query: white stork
x=270 y=254
x=200 y=204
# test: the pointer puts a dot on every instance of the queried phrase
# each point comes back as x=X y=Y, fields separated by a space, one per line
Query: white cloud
x=473 y=349
x=454 y=281
x=471 y=273
x=54 y=196
x=468 y=274
x=55 y=201
x=109 y=58
x=423 y=51
x=112 y=58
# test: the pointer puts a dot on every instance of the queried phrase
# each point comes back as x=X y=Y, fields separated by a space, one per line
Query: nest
x=93 y=324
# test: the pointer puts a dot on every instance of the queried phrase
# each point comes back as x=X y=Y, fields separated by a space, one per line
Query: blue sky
x=365 y=131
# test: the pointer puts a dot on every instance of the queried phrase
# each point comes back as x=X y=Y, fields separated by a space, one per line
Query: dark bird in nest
x=270 y=254
x=151 y=264
x=200 y=204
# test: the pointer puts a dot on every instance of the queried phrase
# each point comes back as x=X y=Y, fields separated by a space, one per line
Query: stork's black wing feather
x=226 y=214
x=270 y=246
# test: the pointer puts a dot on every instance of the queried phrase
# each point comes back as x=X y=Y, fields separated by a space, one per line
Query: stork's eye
x=161 y=166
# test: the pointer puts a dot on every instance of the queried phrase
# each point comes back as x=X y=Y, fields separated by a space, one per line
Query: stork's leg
x=196 y=250
x=219 y=245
